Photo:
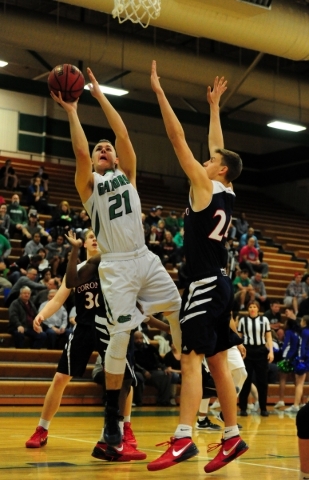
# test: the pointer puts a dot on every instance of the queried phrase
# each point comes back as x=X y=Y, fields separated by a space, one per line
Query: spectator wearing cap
x=33 y=226
x=295 y=292
x=171 y=223
x=152 y=218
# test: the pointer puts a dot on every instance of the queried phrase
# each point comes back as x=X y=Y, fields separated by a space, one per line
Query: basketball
x=67 y=79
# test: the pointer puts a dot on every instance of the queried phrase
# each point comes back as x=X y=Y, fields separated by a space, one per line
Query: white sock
x=121 y=427
x=127 y=418
x=230 y=432
x=201 y=418
x=183 y=431
x=44 y=423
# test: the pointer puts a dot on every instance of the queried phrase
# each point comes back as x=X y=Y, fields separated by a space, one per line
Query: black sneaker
x=112 y=434
x=206 y=424
x=219 y=416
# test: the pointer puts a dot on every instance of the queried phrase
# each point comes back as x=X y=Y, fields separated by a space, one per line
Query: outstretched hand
x=68 y=106
x=155 y=80
x=94 y=86
x=75 y=242
x=214 y=94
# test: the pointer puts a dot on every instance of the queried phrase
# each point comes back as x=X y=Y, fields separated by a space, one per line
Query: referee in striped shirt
x=256 y=333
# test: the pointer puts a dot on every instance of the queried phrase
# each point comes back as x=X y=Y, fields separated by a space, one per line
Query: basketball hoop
x=138 y=11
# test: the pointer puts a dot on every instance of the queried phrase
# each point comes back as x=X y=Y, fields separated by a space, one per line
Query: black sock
x=112 y=399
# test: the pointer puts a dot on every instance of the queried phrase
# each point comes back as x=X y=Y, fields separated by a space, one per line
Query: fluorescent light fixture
x=3 y=63
x=111 y=91
x=291 y=127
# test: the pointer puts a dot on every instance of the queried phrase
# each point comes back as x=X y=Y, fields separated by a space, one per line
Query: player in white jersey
x=128 y=269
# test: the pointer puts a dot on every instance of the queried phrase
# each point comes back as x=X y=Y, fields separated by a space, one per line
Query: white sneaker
x=250 y=406
x=292 y=409
x=256 y=406
x=216 y=404
x=279 y=404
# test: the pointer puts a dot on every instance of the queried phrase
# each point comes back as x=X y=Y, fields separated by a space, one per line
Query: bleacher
x=25 y=374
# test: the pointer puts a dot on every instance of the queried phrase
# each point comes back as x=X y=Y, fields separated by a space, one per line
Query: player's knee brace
x=115 y=357
x=302 y=422
x=239 y=376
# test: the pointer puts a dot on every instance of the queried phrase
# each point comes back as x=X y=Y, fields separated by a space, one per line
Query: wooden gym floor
x=75 y=430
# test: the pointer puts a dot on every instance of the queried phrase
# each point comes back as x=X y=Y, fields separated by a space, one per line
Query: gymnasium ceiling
x=263 y=53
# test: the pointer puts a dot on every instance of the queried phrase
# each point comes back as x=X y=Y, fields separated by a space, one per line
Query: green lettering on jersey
x=124 y=318
x=102 y=188
x=115 y=183
x=122 y=180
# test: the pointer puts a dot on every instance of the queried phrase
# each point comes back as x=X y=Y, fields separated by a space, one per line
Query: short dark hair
x=232 y=161
x=106 y=141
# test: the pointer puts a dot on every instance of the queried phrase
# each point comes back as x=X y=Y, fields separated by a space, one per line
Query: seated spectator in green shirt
x=243 y=289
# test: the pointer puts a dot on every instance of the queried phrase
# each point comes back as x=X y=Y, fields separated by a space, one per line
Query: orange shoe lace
x=167 y=442
x=214 y=446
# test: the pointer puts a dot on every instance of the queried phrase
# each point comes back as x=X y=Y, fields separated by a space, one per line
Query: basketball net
x=138 y=11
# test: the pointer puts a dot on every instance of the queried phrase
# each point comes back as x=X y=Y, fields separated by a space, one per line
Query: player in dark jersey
x=207 y=302
x=88 y=335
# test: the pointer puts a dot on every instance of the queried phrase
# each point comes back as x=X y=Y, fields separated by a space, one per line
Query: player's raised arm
x=175 y=132
x=83 y=176
x=74 y=277
x=125 y=152
x=215 y=136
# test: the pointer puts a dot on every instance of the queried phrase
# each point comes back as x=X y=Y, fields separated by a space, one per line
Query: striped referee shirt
x=254 y=330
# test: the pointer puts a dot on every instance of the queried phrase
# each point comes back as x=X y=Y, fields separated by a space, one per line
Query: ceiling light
x=3 y=64
x=291 y=127
x=111 y=91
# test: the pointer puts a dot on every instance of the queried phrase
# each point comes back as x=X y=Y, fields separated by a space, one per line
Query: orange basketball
x=67 y=79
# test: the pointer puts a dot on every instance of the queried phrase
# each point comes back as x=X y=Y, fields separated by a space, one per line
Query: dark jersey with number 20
x=206 y=232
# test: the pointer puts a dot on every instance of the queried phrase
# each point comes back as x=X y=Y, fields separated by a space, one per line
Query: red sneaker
x=179 y=449
x=230 y=449
x=128 y=435
x=99 y=451
x=38 y=439
x=124 y=453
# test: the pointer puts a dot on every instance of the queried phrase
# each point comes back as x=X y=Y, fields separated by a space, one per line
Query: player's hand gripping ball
x=67 y=79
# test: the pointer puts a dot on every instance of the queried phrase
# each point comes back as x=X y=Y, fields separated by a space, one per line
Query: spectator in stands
x=62 y=219
x=81 y=223
x=43 y=264
x=243 y=290
x=5 y=248
x=241 y=225
x=274 y=317
x=169 y=251
x=243 y=241
x=260 y=290
x=56 y=252
x=146 y=226
x=44 y=178
x=4 y=282
x=181 y=222
x=8 y=173
x=35 y=196
x=4 y=221
x=28 y=280
x=161 y=230
x=173 y=368
x=33 y=226
x=45 y=276
x=295 y=292
x=21 y=315
x=305 y=281
x=55 y=326
x=232 y=232
x=19 y=268
x=18 y=216
x=178 y=239
x=32 y=247
x=249 y=259
x=171 y=223
x=256 y=333
x=152 y=218
x=153 y=242
x=149 y=363
x=42 y=296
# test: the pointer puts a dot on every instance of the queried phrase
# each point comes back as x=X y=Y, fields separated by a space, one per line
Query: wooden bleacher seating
x=28 y=372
